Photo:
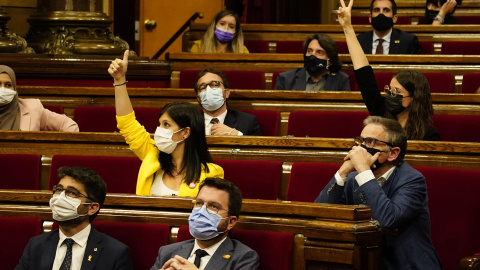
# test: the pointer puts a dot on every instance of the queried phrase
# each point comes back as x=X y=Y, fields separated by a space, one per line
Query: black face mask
x=394 y=104
x=314 y=65
x=373 y=151
x=382 y=22
x=431 y=14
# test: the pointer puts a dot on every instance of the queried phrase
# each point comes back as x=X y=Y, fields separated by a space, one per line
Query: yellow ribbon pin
x=89 y=258
x=397 y=41
x=95 y=249
x=226 y=256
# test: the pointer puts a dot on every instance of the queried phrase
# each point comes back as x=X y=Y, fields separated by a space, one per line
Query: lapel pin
x=89 y=258
x=192 y=185
x=95 y=249
x=397 y=41
x=226 y=256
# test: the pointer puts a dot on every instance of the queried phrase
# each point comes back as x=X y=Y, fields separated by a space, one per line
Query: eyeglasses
x=70 y=192
x=393 y=92
x=212 y=207
x=369 y=141
x=213 y=84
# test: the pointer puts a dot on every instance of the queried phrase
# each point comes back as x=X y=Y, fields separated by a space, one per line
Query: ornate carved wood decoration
x=11 y=42
x=72 y=27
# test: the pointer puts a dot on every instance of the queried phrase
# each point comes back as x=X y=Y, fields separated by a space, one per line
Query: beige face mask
x=6 y=95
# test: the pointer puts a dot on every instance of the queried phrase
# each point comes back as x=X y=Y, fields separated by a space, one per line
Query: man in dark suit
x=396 y=193
x=215 y=212
x=321 y=71
x=211 y=87
x=384 y=39
x=76 y=201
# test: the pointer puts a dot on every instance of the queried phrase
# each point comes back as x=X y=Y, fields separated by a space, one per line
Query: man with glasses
x=211 y=88
x=374 y=173
x=76 y=200
x=215 y=212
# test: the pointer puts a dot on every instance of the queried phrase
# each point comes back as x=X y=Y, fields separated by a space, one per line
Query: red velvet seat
x=15 y=233
x=468 y=19
x=457 y=127
x=328 y=124
x=427 y=47
x=461 y=47
x=470 y=83
x=454 y=203
x=55 y=109
x=102 y=119
x=307 y=180
x=289 y=46
x=342 y=47
x=91 y=83
x=364 y=20
x=256 y=179
x=440 y=82
x=273 y=248
x=353 y=82
x=20 y=171
x=268 y=120
x=383 y=78
x=237 y=79
x=256 y=46
x=119 y=173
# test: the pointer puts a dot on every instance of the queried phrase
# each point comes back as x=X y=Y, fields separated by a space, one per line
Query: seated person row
x=224 y=35
x=321 y=69
x=438 y=12
x=27 y=114
x=408 y=99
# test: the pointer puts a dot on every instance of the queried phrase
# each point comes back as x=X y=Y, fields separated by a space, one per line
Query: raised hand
x=118 y=68
x=345 y=13
x=447 y=7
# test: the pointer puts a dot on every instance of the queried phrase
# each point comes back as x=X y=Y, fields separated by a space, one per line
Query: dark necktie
x=214 y=121
x=67 y=262
x=379 y=47
x=199 y=254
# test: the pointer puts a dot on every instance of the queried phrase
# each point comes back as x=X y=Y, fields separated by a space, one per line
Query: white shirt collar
x=387 y=174
x=208 y=118
x=80 y=238
x=210 y=250
x=386 y=37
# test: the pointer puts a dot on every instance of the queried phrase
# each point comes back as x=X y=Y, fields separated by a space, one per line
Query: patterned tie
x=379 y=47
x=67 y=262
x=199 y=254
x=214 y=121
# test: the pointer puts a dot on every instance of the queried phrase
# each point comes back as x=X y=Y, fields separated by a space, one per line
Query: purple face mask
x=223 y=36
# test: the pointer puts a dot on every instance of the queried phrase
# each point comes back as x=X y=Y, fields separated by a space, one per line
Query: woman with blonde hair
x=224 y=35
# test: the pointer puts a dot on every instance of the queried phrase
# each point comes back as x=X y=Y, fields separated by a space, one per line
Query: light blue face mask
x=204 y=225
x=212 y=98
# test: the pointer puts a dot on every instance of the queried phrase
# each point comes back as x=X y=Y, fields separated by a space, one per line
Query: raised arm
x=118 y=69
x=446 y=8
x=359 y=59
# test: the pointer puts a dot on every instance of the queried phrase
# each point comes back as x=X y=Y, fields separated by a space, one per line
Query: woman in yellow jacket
x=177 y=160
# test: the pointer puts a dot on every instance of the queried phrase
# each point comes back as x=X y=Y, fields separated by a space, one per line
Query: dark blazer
x=107 y=253
x=296 y=79
x=239 y=255
x=401 y=205
x=400 y=42
x=245 y=122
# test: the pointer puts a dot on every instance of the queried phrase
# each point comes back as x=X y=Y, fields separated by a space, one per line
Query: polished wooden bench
x=324 y=235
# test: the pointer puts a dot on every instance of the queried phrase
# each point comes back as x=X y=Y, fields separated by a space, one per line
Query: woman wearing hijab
x=27 y=114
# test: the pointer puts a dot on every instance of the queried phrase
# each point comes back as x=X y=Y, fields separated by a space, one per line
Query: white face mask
x=65 y=208
x=6 y=95
x=212 y=98
x=163 y=139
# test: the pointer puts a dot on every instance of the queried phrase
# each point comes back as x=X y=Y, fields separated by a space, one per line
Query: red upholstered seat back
x=440 y=82
x=119 y=173
x=143 y=239
x=468 y=19
x=15 y=233
x=289 y=46
x=268 y=120
x=457 y=128
x=353 y=82
x=90 y=83
x=256 y=46
x=427 y=47
x=307 y=180
x=328 y=124
x=460 y=47
x=55 y=109
x=273 y=248
x=237 y=79
x=454 y=211
x=103 y=119
x=20 y=171
x=256 y=179
x=383 y=78
x=470 y=83
x=342 y=47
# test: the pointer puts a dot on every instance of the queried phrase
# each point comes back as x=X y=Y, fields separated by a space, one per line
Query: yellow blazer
x=197 y=44
x=144 y=147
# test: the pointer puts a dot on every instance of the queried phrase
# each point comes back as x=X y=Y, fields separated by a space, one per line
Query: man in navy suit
x=375 y=174
x=211 y=87
x=215 y=213
x=383 y=15
x=76 y=245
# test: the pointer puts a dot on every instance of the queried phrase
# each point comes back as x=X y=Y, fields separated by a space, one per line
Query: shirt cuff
x=340 y=180
x=364 y=177
x=239 y=133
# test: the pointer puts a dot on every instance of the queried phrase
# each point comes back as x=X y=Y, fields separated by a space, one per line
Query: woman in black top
x=438 y=12
x=407 y=99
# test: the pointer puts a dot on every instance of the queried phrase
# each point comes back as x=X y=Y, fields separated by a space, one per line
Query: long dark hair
x=421 y=109
x=196 y=152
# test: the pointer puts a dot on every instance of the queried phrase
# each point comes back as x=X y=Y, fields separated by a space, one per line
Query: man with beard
x=384 y=39
x=374 y=173
x=215 y=212
x=321 y=71
x=76 y=200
